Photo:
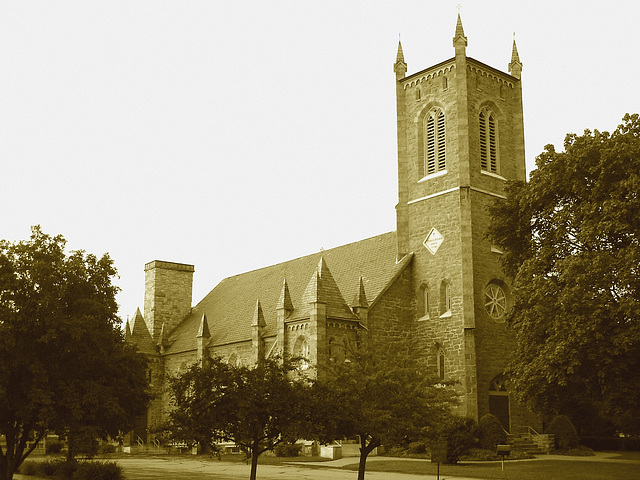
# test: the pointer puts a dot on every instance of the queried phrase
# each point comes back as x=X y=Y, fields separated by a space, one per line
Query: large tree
x=380 y=393
x=571 y=241
x=64 y=365
x=255 y=407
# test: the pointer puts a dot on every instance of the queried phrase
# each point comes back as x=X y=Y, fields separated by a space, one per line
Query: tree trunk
x=255 y=453
x=365 y=450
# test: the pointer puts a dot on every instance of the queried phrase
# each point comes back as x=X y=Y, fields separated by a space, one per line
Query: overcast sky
x=233 y=135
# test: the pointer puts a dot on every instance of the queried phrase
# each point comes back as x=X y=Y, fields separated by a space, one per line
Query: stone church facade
x=436 y=278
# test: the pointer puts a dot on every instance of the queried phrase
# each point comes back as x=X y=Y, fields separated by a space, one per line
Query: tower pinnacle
x=400 y=67
x=515 y=66
x=458 y=37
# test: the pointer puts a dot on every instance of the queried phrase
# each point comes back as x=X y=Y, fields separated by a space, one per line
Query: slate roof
x=230 y=307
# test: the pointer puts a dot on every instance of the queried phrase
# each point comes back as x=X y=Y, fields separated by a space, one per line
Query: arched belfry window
x=488 y=141
x=434 y=142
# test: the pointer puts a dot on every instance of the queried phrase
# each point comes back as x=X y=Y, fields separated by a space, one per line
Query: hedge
x=631 y=444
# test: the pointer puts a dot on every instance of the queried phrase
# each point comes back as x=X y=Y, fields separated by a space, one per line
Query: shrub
x=63 y=470
x=31 y=468
x=612 y=443
x=460 y=435
x=565 y=433
x=54 y=446
x=287 y=450
x=51 y=467
x=490 y=432
x=417 y=447
x=98 y=471
x=107 y=448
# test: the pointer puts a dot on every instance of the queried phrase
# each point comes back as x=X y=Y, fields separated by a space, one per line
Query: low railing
x=544 y=441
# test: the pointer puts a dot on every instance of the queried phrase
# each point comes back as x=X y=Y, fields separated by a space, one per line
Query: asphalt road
x=186 y=468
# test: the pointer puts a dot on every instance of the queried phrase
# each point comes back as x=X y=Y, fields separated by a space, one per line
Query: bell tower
x=460 y=138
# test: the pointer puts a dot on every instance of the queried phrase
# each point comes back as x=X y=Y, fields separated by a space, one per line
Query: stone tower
x=167 y=295
x=460 y=138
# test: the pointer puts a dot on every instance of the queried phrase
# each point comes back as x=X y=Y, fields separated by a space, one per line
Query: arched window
x=445 y=299
x=424 y=301
x=488 y=141
x=434 y=142
x=301 y=350
x=441 y=364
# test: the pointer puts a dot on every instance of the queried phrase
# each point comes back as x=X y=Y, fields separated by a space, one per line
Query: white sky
x=233 y=135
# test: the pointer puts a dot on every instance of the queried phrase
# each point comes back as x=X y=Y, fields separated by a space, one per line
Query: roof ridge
x=308 y=255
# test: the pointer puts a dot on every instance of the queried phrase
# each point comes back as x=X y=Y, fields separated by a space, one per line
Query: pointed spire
x=515 y=66
x=138 y=327
x=203 y=331
x=360 y=299
x=258 y=316
x=458 y=37
x=400 y=55
x=127 y=330
x=322 y=288
x=163 y=339
x=285 y=298
x=400 y=67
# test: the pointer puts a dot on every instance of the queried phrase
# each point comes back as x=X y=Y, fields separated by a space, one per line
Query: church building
x=436 y=278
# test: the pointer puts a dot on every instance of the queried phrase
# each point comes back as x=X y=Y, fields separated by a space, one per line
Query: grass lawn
x=548 y=469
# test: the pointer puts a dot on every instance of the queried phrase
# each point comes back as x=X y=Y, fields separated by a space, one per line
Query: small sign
x=433 y=241
x=504 y=450
x=439 y=452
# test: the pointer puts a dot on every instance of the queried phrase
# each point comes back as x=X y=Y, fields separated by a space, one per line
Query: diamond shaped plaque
x=433 y=241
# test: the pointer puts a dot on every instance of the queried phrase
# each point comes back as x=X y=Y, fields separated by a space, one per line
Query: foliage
x=566 y=436
x=288 y=450
x=54 y=446
x=571 y=242
x=579 y=451
x=63 y=359
x=380 y=394
x=460 y=433
x=66 y=470
x=417 y=447
x=256 y=408
x=490 y=432
x=631 y=444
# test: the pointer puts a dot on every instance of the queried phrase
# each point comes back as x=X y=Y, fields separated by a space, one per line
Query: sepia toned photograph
x=319 y=240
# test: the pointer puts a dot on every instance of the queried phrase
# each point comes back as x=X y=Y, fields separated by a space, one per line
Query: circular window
x=495 y=301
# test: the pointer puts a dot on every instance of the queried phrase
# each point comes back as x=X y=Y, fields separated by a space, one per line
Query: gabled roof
x=230 y=306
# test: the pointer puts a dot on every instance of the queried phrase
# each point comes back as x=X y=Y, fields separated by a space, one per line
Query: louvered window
x=488 y=142
x=434 y=142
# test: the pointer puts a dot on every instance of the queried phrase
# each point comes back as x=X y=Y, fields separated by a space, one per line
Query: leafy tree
x=460 y=433
x=490 y=432
x=381 y=395
x=571 y=241
x=565 y=434
x=257 y=407
x=63 y=361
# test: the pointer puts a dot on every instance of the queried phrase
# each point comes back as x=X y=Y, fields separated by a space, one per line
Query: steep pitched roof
x=230 y=306
x=322 y=288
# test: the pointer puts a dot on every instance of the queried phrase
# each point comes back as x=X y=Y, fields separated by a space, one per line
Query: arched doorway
x=499 y=400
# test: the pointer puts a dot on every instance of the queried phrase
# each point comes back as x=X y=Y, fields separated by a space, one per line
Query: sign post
x=503 y=451
x=438 y=454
